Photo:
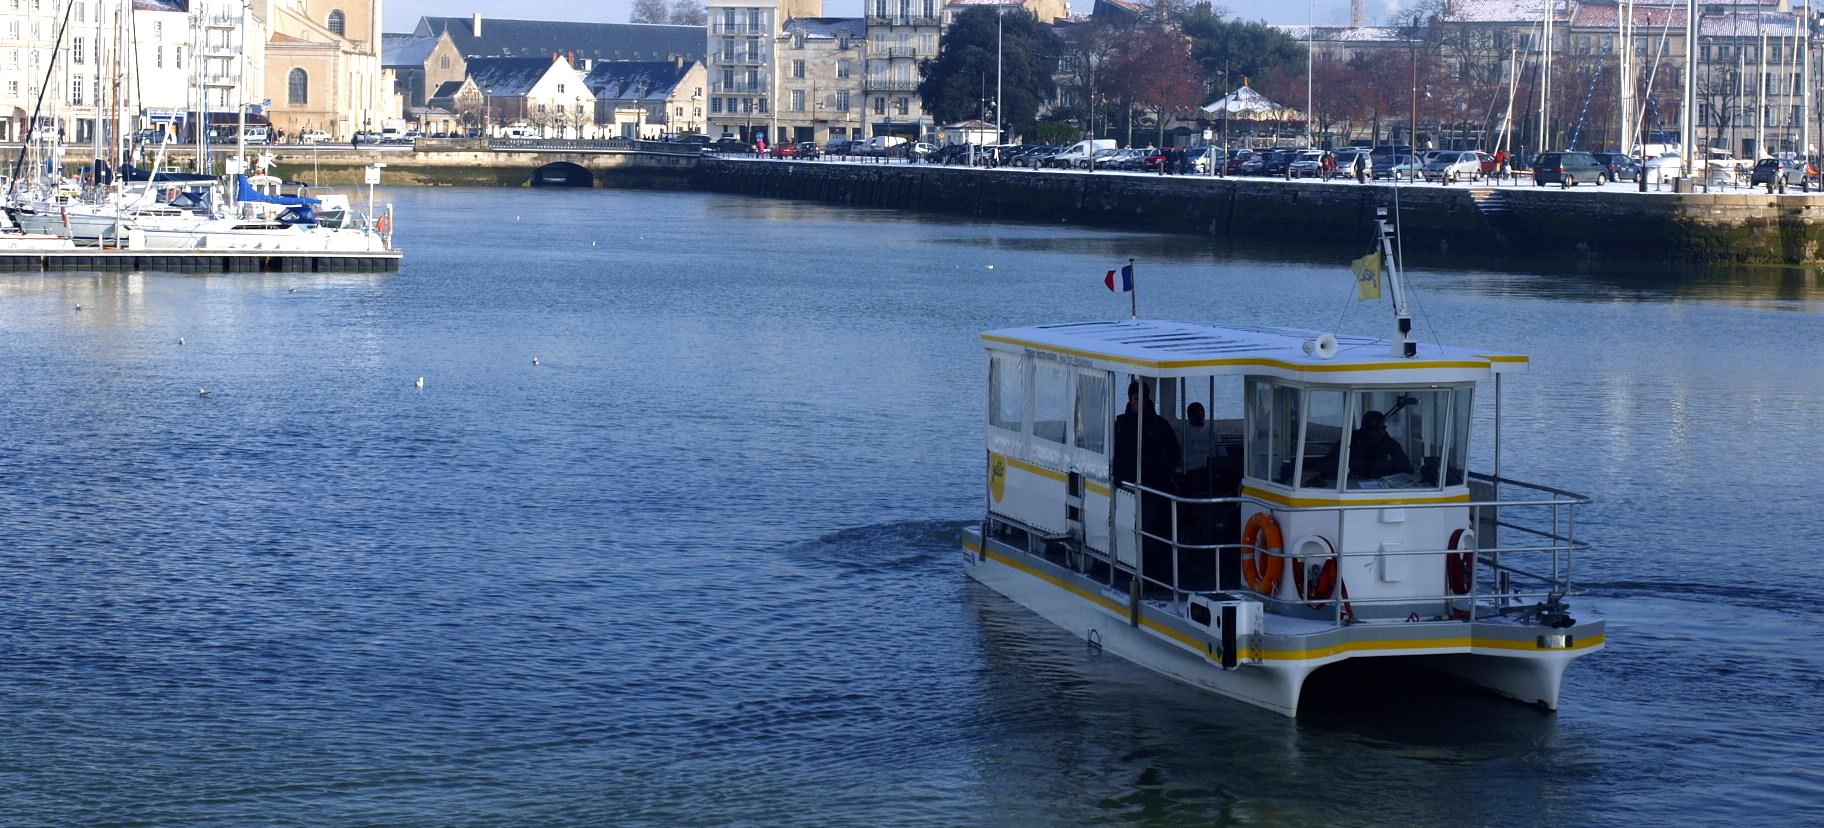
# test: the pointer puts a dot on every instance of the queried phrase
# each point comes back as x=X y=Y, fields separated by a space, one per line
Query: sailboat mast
x=1545 y=79
x=1687 y=134
x=1626 y=35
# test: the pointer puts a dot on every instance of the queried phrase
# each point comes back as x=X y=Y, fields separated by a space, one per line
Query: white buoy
x=535 y=362
x=419 y=383
x=991 y=267
x=592 y=244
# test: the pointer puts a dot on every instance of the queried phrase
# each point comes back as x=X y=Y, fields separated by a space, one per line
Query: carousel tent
x=1245 y=104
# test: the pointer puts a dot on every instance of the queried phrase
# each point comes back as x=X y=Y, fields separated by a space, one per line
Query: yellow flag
x=1367 y=270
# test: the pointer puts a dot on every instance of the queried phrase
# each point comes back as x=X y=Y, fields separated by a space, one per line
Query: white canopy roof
x=1245 y=104
x=1178 y=349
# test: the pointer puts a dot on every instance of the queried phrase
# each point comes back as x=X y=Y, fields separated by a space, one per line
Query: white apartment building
x=73 y=51
x=740 y=63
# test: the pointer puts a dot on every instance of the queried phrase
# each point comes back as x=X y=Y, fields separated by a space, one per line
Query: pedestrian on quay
x=1500 y=165
x=1359 y=167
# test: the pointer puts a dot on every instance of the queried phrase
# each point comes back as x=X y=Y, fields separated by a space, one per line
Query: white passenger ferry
x=1295 y=500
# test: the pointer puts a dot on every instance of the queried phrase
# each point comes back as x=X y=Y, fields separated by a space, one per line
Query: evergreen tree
x=963 y=73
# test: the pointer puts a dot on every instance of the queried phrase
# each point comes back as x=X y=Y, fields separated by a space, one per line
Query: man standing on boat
x=1157 y=470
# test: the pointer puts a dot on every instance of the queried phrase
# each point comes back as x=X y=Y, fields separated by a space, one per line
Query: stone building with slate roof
x=820 y=65
x=478 y=37
x=648 y=99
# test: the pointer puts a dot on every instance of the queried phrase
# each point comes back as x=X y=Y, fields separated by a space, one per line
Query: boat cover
x=246 y=192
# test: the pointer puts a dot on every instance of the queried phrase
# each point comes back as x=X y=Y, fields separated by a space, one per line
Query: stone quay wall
x=1453 y=223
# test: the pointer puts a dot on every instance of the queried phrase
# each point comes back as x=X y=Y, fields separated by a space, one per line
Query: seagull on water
x=291 y=290
x=419 y=383
x=535 y=362
x=79 y=306
x=180 y=340
x=204 y=392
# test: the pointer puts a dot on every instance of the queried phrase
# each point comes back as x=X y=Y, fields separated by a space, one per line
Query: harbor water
x=699 y=564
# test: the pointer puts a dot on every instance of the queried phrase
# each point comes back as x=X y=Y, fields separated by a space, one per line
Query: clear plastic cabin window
x=1404 y=452
x=1459 y=437
x=1050 y=401
x=1273 y=412
x=1092 y=412
x=1260 y=426
x=1323 y=438
x=1006 y=394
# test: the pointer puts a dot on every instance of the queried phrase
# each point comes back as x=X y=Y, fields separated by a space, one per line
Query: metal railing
x=592 y=145
x=890 y=85
x=1512 y=588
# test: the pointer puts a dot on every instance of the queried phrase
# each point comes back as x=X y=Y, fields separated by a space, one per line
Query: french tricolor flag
x=1127 y=279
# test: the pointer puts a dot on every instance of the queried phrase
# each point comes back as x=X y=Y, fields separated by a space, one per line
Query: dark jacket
x=1162 y=453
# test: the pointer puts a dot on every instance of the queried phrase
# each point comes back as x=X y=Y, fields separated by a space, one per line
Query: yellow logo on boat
x=997 y=477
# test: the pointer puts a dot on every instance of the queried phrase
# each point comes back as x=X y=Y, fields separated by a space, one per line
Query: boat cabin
x=1326 y=475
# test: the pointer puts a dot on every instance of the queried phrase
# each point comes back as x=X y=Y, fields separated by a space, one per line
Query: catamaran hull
x=1526 y=663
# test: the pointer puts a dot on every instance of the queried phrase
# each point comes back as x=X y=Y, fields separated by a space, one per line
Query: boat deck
x=200 y=261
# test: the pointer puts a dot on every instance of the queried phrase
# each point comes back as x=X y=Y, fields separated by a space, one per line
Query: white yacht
x=1321 y=509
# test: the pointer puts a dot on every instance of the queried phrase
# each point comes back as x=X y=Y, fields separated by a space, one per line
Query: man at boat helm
x=1158 y=471
x=1373 y=453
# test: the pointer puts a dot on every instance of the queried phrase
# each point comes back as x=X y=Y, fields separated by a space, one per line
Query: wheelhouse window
x=1050 y=401
x=1006 y=396
x=1401 y=437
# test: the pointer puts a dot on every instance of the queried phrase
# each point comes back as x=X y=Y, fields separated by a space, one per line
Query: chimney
x=1355 y=16
x=570 y=58
x=678 y=60
x=475 y=22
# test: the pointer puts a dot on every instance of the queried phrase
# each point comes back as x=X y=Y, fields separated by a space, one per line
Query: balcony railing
x=746 y=87
x=901 y=20
x=738 y=59
x=902 y=52
x=720 y=27
x=890 y=85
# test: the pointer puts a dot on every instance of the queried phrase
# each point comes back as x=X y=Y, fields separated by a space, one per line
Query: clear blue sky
x=402 y=15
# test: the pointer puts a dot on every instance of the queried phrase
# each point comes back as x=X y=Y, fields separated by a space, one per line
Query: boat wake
x=885 y=548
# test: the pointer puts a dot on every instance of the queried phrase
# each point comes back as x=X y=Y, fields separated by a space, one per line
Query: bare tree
x=687 y=13
x=648 y=11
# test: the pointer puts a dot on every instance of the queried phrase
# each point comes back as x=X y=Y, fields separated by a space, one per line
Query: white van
x=519 y=132
x=879 y=145
x=1078 y=154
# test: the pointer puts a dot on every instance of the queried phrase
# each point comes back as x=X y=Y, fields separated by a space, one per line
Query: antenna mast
x=1406 y=346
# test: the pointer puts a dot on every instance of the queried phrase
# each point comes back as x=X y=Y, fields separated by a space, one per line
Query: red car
x=783 y=151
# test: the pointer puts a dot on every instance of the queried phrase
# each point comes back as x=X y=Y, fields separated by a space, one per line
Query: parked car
x=1568 y=168
x=1621 y=167
x=697 y=139
x=1079 y=153
x=1453 y=165
x=1236 y=159
x=1398 y=168
x=1308 y=164
x=809 y=149
x=729 y=143
x=917 y=150
x=1345 y=160
x=1279 y=159
x=1780 y=172
x=312 y=136
x=786 y=150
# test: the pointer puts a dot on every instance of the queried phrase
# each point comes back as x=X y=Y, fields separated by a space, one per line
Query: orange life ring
x=1318 y=593
x=1460 y=567
x=1261 y=539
